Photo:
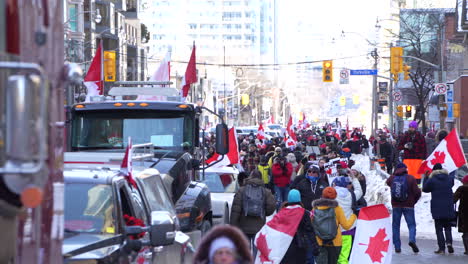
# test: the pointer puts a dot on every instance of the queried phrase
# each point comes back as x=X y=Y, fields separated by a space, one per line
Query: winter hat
x=342 y=181
x=278 y=149
x=294 y=196
x=329 y=193
x=413 y=124
x=465 y=179
x=401 y=165
x=438 y=166
x=431 y=135
x=218 y=243
x=343 y=165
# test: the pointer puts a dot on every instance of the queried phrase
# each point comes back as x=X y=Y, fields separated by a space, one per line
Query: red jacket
x=281 y=178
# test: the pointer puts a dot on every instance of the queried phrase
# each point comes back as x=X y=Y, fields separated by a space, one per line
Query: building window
x=73 y=17
x=193 y=26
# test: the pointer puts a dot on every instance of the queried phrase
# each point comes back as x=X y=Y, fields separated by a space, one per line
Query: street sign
x=449 y=96
x=383 y=103
x=344 y=76
x=363 y=72
x=397 y=96
x=440 y=88
x=383 y=96
x=383 y=87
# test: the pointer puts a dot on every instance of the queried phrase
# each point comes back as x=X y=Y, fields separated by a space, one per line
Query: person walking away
x=265 y=170
x=348 y=192
x=461 y=194
x=365 y=145
x=304 y=240
x=431 y=143
x=251 y=159
x=310 y=186
x=281 y=172
x=223 y=244
x=405 y=193
x=251 y=205
x=327 y=220
x=413 y=145
x=440 y=184
x=386 y=152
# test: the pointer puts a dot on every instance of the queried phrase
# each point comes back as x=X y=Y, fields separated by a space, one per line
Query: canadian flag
x=305 y=123
x=290 y=130
x=449 y=153
x=190 y=74
x=273 y=240
x=126 y=166
x=373 y=239
x=261 y=132
x=270 y=120
x=94 y=79
x=232 y=157
x=162 y=74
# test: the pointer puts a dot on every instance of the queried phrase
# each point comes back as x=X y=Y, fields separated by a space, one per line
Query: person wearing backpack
x=328 y=217
x=405 y=194
x=348 y=192
x=251 y=205
x=440 y=184
x=304 y=239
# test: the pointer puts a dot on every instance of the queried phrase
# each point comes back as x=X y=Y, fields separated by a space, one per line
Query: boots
x=465 y=243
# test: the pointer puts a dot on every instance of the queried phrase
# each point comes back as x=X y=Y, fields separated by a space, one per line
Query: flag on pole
x=162 y=74
x=305 y=123
x=347 y=128
x=261 y=132
x=449 y=153
x=273 y=240
x=190 y=74
x=290 y=130
x=232 y=157
x=373 y=239
x=270 y=120
x=126 y=166
x=94 y=79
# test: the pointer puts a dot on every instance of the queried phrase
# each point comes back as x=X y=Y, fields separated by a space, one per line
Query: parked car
x=223 y=184
x=107 y=219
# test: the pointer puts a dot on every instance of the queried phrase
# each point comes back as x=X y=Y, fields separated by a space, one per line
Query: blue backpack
x=399 y=188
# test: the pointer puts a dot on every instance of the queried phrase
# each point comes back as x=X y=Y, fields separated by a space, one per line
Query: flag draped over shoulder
x=449 y=153
x=273 y=240
x=373 y=239
x=232 y=157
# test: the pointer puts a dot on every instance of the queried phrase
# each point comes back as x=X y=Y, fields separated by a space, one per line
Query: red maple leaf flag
x=373 y=239
x=190 y=74
x=126 y=166
x=273 y=240
x=449 y=153
x=94 y=77
x=261 y=132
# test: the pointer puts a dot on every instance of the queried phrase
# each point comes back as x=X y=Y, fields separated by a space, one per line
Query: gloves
x=409 y=145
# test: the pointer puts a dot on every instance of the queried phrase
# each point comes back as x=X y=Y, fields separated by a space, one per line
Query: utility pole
x=390 y=105
x=375 y=106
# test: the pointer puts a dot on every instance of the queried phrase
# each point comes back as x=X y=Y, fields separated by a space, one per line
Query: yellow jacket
x=322 y=204
x=264 y=171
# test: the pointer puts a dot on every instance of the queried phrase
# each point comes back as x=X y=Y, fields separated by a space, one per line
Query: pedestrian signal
x=408 y=111
x=327 y=71
x=456 y=110
x=245 y=99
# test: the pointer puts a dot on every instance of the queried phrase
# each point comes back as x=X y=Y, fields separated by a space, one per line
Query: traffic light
x=245 y=99
x=109 y=66
x=327 y=71
x=456 y=109
x=396 y=60
x=408 y=111
x=395 y=77
x=406 y=71
x=399 y=110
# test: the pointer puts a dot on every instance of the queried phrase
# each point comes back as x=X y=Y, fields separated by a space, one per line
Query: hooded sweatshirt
x=414 y=193
x=440 y=184
x=345 y=200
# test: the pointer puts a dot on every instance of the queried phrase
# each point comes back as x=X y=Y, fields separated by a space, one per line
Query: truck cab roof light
x=143 y=104
x=183 y=106
x=130 y=104
x=79 y=106
x=118 y=104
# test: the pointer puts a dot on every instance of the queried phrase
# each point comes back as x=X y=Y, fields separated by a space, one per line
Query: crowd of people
x=317 y=174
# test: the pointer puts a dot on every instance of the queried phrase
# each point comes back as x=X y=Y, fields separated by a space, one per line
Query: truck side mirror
x=222 y=141
x=162 y=230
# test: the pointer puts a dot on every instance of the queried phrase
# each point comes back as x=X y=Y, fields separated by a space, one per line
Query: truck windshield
x=110 y=130
x=89 y=208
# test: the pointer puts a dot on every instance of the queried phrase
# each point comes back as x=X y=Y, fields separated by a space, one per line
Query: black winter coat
x=461 y=194
x=309 y=191
x=440 y=184
x=303 y=240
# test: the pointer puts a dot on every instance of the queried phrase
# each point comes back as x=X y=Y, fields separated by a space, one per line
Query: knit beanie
x=465 y=179
x=218 y=243
x=413 y=124
x=329 y=193
x=294 y=196
x=438 y=166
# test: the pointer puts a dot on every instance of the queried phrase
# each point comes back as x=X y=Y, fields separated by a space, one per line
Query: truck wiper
x=163 y=156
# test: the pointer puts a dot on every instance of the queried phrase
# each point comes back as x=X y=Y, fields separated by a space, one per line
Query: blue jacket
x=440 y=184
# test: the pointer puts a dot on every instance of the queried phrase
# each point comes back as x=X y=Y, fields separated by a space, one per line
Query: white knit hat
x=220 y=242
